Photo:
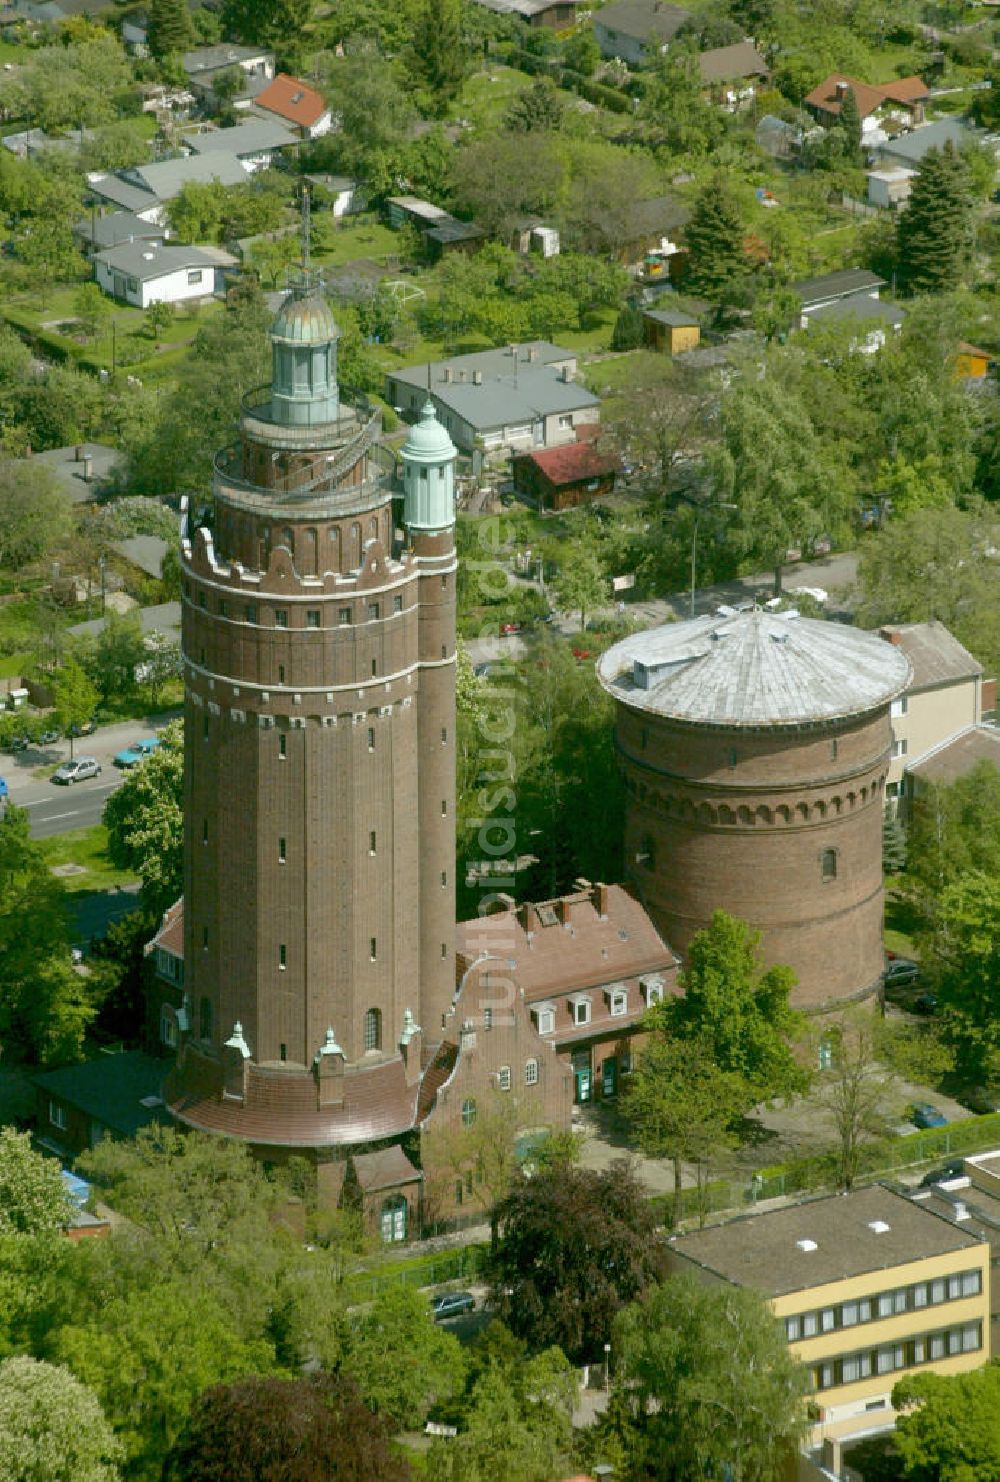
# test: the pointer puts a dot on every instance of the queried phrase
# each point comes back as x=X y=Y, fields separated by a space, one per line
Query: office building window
x=312 y=618
x=344 y=616
x=280 y=617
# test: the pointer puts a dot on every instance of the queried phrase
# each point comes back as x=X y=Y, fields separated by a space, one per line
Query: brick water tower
x=319 y=665
x=754 y=748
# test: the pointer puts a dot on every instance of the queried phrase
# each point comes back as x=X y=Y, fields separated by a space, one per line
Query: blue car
x=132 y=755
x=4 y=789
x=925 y=1115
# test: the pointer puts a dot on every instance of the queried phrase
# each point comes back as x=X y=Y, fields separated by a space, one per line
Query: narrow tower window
x=205 y=1018
x=282 y=856
x=371 y=738
x=282 y=745
x=282 y=956
x=371 y=842
x=373 y=1029
x=373 y=948
x=828 y=864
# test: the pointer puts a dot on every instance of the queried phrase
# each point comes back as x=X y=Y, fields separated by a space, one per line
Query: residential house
x=114 y=1096
x=907 y=150
x=587 y=966
x=442 y=232
x=84 y=471
x=950 y=760
x=556 y=14
x=54 y=12
x=670 y=331
x=889 y=188
x=204 y=65
x=944 y=699
x=168 y=1010
x=112 y=190
x=338 y=193
x=297 y=105
x=254 y=142
x=30 y=143
x=972 y=1195
x=903 y=99
x=96 y=233
x=875 y=320
x=564 y=477
x=144 y=273
x=517 y=397
x=869 y=1286
x=731 y=73
x=846 y=285
x=626 y=28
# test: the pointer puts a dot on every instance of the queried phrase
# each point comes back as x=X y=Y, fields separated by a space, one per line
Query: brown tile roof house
x=292 y=100
x=936 y=656
x=828 y=96
x=731 y=63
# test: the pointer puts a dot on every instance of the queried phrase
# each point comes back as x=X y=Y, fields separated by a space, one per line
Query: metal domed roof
x=428 y=441
x=305 y=319
x=754 y=668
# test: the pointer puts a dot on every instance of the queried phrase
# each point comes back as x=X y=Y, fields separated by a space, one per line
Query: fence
x=465 y=1263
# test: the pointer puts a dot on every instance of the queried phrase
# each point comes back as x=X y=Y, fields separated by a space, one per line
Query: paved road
x=55 y=809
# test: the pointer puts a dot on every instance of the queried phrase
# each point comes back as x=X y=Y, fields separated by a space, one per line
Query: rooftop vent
x=150 y=1101
x=807 y=1245
x=962 y=1210
x=878 y=1227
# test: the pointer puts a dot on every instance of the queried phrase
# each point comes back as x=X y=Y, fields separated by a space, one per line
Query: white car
x=78 y=770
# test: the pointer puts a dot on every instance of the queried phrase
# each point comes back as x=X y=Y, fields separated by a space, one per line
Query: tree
x=962 y=955
x=484 y=1154
x=893 y=844
x=501 y=176
x=850 y=123
x=400 y=1360
x=709 y=1384
x=52 y=1426
x=266 y=22
x=33 y=1197
x=119 y=652
x=196 y=211
x=581 y=584
x=517 y=1408
x=145 y=822
x=439 y=54
x=936 y=232
x=674 y=103
x=948 y=1426
x=572 y=1248
x=260 y=1430
x=157 y=318
x=169 y=28
x=35 y=513
x=76 y=699
x=681 y=1106
x=717 y=260
x=737 y=1009
x=535 y=109
x=92 y=308
x=854 y=1089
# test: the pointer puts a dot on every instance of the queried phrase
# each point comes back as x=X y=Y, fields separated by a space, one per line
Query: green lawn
x=360 y=239
x=487 y=95
x=87 y=847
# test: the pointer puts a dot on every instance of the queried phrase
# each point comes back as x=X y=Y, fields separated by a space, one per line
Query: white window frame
x=531 y=1072
x=900 y=747
x=57 y=1115
x=652 y=989
x=899 y=706
x=617 y=1001
x=168 y=1027
x=580 y=1005
x=504 y=1081
x=545 y=1018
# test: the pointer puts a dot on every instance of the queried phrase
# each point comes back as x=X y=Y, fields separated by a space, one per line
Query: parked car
x=954 y=1169
x=19 y=743
x=452 y=1304
x=900 y=972
x=506 y=629
x=78 y=770
x=4 y=790
x=48 y=738
x=86 y=729
x=922 y=1114
x=925 y=1003
x=132 y=755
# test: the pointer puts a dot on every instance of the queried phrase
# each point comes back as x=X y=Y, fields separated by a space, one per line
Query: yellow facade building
x=869 y=1287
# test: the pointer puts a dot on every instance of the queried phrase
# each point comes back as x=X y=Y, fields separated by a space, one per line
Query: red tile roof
x=171 y=933
x=385 y=1169
x=907 y=90
x=869 y=96
x=573 y=462
x=289 y=98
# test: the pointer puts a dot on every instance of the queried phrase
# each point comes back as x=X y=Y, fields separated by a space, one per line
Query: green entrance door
x=584 y=1084
x=394 y=1219
x=609 y=1076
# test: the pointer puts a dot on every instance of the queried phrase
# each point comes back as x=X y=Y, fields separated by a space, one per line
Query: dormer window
x=617 y=1000
x=544 y=1015
x=579 y=1007
x=652 y=989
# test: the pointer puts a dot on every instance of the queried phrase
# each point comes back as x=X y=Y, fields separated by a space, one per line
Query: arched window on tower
x=828 y=864
x=373 y=1030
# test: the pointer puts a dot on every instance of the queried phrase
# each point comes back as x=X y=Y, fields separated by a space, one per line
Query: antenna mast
x=305 y=228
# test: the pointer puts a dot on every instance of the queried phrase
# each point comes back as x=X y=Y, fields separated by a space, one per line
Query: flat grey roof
x=754 y=668
x=491 y=362
x=167 y=177
x=761 y=1250
x=164 y=618
x=68 y=469
x=641 y=19
x=677 y=318
x=861 y=307
x=254 y=136
x=911 y=148
x=225 y=54
x=115 y=227
x=111 y=1089
x=837 y=285
x=148 y=260
x=122 y=192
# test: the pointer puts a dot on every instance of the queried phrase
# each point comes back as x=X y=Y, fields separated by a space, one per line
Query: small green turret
x=428 y=458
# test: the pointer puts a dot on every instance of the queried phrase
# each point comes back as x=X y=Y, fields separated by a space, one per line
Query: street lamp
x=699 y=506
x=101 y=563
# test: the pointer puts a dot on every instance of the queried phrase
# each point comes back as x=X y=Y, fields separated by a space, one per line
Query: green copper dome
x=428 y=441
x=305 y=319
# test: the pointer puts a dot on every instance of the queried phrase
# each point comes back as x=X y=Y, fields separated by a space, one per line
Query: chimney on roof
x=529 y=916
x=891 y=635
x=446 y=375
x=533 y=353
x=462 y=376
x=564 y=906
x=601 y=898
x=842 y=89
x=565 y=373
x=477 y=378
